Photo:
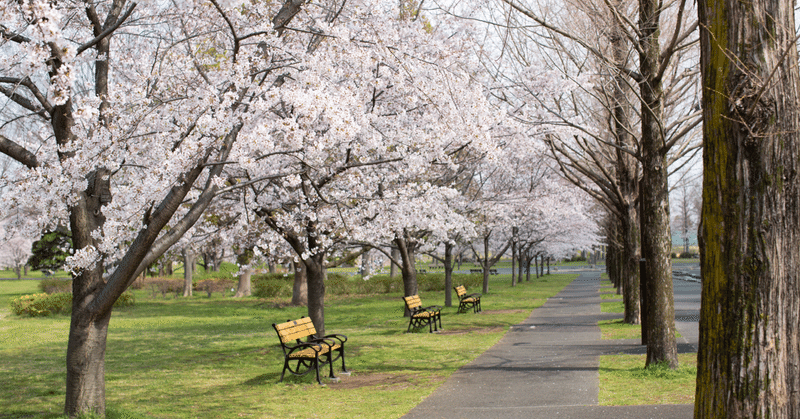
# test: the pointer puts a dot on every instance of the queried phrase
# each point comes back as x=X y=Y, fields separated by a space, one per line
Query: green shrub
x=163 y=285
x=272 y=285
x=214 y=285
x=41 y=305
x=55 y=285
x=339 y=284
x=127 y=299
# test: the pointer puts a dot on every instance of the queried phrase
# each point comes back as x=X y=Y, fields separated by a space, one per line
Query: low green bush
x=42 y=305
x=210 y=286
x=55 y=285
x=280 y=285
x=272 y=285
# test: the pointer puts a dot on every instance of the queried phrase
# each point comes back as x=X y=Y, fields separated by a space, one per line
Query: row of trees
x=314 y=130
x=644 y=73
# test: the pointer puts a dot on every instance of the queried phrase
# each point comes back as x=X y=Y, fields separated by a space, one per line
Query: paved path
x=547 y=366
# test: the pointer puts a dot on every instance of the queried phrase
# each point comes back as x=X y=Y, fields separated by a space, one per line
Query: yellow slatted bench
x=467 y=301
x=422 y=316
x=310 y=354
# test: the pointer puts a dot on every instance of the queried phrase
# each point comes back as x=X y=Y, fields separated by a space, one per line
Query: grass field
x=218 y=357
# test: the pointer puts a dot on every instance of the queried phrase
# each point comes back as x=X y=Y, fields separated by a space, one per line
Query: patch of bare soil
x=385 y=381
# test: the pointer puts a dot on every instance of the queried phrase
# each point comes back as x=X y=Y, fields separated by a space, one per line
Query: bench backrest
x=295 y=329
x=461 y=291
x=413 y=302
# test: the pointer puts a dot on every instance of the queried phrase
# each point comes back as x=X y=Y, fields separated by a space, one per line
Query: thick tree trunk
x=393 y=266
x=654 y=195
x=627 y=178
x=86 y=354
x=448 y=275
x=300 y=286
x=629 y=264
x=406 y=248
x=366 y=263
x=315 y=270
x=188 y=271
x=749 y=355
x=243 y=287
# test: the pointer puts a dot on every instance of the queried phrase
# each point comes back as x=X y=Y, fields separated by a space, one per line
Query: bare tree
x=749 y=356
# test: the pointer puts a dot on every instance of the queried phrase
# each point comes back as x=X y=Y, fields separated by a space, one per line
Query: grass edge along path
x=219 y=357
x=623 y=379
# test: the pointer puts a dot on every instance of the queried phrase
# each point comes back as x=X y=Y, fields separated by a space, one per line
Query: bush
x=125 y=300
x=214 y=285
x=55 y=285
x=272 y=285
x=163 y=285
x=41 y=305
x=339 y=284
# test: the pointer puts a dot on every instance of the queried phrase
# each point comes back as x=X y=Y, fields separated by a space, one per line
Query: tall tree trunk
x=366 y=264
x=188 y=271
x=406 y=247
x=86 y=347
x=654 y=194
x=300 y=286
x=448 y=274
x=513 y=256
x=244 y=260
x=315 y=270
x=485 y=263
x=629 y=264
x=393 y=266
x=243 y=287
x=749 y=355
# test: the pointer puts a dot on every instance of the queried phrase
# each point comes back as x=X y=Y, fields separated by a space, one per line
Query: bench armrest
x=432 y=308
x=475 y=295
x=304 y=345
x=337 y=336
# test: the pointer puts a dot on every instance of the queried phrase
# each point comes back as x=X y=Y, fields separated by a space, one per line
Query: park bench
x=492 y=271
x=422 y=316
x=310 y=354
x=466 y=301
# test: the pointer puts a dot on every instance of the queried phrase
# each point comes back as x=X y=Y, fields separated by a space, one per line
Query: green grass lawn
x=218 y=357
x=625 y=381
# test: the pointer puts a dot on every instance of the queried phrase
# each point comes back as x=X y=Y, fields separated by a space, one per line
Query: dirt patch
x=384 y=381
x=480 y=330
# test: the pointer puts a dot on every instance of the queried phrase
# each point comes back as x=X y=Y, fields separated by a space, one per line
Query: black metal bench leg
x=344 y=369
x=330 y=362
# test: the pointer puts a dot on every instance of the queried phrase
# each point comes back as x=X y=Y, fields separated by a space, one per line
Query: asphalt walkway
x=547 y=366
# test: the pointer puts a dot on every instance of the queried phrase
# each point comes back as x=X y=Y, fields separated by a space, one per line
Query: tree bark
x=243 y=287
x=188 y=271
x=315 y=270
x=406 y=247
x=366 y=264
x=513 y=256
x=393 y=266
x=300 y=286
x=749 y=355
x=448 y=275
x=654 y=194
